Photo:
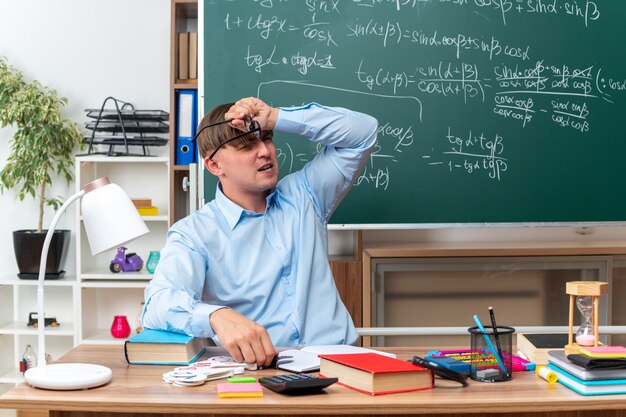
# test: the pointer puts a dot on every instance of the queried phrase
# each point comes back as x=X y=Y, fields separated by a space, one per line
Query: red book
x=375 y=374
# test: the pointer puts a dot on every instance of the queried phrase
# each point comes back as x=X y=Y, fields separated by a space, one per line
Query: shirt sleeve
x=173 y=298
x=349 y=138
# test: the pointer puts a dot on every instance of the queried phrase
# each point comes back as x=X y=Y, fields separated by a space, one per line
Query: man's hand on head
x=260 y=111
x=245 y=340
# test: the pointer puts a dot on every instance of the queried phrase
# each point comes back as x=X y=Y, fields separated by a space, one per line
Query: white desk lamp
x=110 y=220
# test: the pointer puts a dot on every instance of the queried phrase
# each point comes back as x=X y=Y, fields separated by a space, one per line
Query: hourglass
x=586 y=334
x=585 y=295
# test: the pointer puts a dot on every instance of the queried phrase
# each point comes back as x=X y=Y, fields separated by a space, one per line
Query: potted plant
x=42 y=147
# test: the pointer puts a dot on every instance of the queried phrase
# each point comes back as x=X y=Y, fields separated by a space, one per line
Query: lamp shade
x=109 y=216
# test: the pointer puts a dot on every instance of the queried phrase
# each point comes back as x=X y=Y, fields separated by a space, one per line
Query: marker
x=495 y=330
x=547 y=374
x=488 y=340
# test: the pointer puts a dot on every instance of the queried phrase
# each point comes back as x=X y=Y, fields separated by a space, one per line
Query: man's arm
x=173 y=304
x=349 y=137
x=174 y=294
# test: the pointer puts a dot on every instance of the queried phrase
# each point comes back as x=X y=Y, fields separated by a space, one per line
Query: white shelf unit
x=106 y=300
x=104 y=294
x=17 y=299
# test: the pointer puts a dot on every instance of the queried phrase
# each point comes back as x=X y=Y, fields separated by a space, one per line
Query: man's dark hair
x=211 y=138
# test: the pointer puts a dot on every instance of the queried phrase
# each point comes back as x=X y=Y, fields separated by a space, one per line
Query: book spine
x=126 y=352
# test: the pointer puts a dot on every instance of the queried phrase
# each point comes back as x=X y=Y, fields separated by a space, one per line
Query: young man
x=250 y=268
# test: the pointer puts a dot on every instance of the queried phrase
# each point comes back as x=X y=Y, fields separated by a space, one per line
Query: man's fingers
x=235 y=353
x=248 y=353
x=268 y=348
x=245 y=340
x=259 y=340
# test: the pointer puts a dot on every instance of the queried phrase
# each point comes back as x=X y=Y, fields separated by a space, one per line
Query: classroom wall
x=87 y=51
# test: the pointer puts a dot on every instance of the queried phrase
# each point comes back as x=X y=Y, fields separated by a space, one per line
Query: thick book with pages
x=535 y=346
x=559 y=359
x=375 y=374
x=307 y=358
x=595 y=387
x=158 y=347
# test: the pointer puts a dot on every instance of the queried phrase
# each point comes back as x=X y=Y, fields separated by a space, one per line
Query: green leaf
x=44 y=142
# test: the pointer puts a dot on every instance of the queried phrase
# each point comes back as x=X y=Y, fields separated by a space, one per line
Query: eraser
x=487 y=373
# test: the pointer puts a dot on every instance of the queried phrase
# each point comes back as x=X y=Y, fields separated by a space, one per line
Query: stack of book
x=144 y=207
x=590 y=376
x=187 y=56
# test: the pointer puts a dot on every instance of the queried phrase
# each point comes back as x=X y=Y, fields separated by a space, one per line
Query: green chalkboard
x=490 y=111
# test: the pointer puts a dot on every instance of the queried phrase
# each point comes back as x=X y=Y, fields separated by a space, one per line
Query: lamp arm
x=41 y=360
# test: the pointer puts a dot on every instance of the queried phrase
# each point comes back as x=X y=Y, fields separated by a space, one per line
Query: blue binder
x=186 y=123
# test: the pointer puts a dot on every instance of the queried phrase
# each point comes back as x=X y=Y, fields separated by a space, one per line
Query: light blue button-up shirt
x=271 y=267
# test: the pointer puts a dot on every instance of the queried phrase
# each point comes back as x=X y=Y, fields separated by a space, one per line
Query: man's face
x=248 y=169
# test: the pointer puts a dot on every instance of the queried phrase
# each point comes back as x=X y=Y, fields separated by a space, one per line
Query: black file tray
x=130 y=126
x=108 y=114
x=132 y=141
x=124 y=126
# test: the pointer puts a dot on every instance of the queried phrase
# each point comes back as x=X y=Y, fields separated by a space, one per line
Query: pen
x=488 y=340
x=495 y=330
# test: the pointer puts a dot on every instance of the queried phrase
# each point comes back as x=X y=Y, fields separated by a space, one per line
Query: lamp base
x=68 y=376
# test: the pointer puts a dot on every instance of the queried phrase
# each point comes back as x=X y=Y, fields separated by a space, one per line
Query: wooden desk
x=139 y=391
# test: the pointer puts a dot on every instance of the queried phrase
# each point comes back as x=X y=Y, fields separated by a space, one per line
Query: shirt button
x=279 y=247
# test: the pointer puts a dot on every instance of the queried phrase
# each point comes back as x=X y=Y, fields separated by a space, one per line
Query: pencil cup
x=491 y=359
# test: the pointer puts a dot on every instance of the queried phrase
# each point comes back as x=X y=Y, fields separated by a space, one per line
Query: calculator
x=296 y=383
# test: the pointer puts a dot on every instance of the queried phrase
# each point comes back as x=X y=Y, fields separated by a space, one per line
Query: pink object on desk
x=614 y=352
x=240 y=390
x=585 y=339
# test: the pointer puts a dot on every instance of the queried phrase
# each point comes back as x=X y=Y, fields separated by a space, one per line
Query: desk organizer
x=124 y=126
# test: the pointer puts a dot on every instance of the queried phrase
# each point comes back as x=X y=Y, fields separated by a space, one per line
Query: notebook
x=558 y=358
x=307 y=359
x=595 y=387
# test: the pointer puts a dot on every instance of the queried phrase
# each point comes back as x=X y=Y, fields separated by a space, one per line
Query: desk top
x=139 y=389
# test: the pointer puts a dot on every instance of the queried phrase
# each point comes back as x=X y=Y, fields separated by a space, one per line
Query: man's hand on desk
x=244 y=339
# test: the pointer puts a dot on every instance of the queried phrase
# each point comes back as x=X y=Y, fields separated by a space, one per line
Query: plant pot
x=28 y=244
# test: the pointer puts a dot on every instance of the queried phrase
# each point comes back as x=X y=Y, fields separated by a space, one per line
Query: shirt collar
x=232 y=212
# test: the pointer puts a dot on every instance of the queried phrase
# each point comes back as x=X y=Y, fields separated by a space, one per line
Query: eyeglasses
x=251 y=127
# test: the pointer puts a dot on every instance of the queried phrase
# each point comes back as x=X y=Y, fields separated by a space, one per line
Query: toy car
x=125 y=262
